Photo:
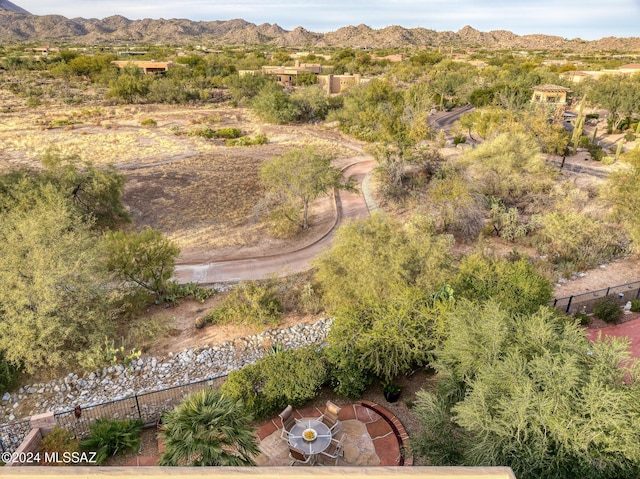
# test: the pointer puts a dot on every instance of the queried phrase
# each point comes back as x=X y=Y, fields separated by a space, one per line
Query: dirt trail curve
x=348 y=206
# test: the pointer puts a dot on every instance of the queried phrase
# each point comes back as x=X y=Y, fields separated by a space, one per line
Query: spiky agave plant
x=208 y=429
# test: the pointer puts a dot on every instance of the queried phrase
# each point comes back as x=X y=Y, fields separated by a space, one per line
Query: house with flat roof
x=580 y=76
x=548 y=93
x=148 y=67
x=332 y=84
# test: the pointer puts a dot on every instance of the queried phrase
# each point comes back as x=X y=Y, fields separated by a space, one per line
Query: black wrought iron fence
x=146 y=406
x=586 y=301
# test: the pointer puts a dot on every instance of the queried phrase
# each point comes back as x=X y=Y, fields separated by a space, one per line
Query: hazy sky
x=587 y=19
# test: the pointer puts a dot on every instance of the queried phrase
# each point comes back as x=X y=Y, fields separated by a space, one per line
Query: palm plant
x=208 y=429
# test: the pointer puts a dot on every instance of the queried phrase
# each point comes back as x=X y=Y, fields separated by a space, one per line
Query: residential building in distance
x=148 y=67
x=580 y=76
x=338 y=83
x=286 y=76
x=554 y=94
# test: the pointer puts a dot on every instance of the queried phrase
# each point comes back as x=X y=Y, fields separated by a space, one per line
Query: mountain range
x=17 y=25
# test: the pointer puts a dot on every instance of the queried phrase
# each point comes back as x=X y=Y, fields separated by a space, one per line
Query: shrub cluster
x=206 y=132
x=248 y=141
x=111 y=436
x=608 y=310
x=251 y=304
x=59 y=440
x=287 y=377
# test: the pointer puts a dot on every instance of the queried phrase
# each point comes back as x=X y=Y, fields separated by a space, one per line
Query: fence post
x=569 y=304
x=555 y=301
x=138 y=406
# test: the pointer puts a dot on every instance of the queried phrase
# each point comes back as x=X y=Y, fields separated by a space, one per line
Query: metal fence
x=584 y=303
x=146 y=406
x=12 y=435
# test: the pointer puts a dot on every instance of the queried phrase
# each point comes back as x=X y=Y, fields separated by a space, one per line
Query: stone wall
x=151 y=374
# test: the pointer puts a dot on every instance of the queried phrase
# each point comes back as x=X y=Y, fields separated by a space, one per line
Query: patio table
x=316 y=446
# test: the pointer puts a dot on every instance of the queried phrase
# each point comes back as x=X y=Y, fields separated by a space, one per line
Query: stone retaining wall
x=152 y=374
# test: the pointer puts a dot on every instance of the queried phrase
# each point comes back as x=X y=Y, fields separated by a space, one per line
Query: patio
x=373 y=437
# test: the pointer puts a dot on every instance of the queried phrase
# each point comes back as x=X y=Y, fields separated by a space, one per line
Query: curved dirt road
x=349 y=206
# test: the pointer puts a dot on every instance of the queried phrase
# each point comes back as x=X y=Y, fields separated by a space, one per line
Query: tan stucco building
x=554 y=94
x=148 y=67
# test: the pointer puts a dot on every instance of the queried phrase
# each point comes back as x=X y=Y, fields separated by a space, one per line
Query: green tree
x=578 y=239
x=95 y=192
x=244 y=88
x=145 y=258
x=291 y=377
x=510 y=168
x=299 y=177
x=208 y=429
x=517 y=286
x=130 y=86
x=455 y=206
x=274 y=105
x=621 y=190
x=56 y=306
x=384 y=339
x=370 y=258
x=530 y=392
x=619 y=95
x=8 y=374
x=311 y=103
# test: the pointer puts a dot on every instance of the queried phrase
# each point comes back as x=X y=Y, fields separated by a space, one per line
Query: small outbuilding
x=554 y=94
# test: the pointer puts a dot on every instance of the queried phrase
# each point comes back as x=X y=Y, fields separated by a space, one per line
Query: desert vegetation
x=110 y=177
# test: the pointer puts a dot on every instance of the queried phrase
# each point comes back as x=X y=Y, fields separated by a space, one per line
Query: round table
x=319 y=444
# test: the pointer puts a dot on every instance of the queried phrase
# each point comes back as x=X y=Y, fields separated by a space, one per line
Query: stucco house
x=554 y=94
x=148 y=67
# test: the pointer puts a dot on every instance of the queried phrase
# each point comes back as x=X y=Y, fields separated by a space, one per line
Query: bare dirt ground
x=201 y=193
x=181 y=333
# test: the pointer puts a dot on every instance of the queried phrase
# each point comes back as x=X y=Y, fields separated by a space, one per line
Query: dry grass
x=197 y=191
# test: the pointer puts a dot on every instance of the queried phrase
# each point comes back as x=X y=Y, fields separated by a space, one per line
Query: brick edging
x=396 y=426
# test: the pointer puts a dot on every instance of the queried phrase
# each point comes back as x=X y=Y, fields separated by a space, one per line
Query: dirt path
x=348 y=206
x=619 y=272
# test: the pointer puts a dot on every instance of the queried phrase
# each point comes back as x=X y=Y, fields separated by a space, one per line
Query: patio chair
x=334 y=451
x=299 y=457
x=330 y=418
x=288 y=421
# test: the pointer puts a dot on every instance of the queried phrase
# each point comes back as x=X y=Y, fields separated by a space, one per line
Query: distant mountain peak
x=17 y=25
x=12 y=7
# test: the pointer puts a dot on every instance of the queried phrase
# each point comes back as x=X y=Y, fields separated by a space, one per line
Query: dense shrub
x=259 y=139
x=111 y=436
x=516 y=285
x=8 y=374
x=635 y=305
x=595 y=151
x=58 y=441
x=582 y=318
x=208 y=133
x=608 y=310
x=288 y=377
x=578 y=239
x=249 y=303
x=228 y=133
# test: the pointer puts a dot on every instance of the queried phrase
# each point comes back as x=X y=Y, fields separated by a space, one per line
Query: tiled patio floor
x=374 y=437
